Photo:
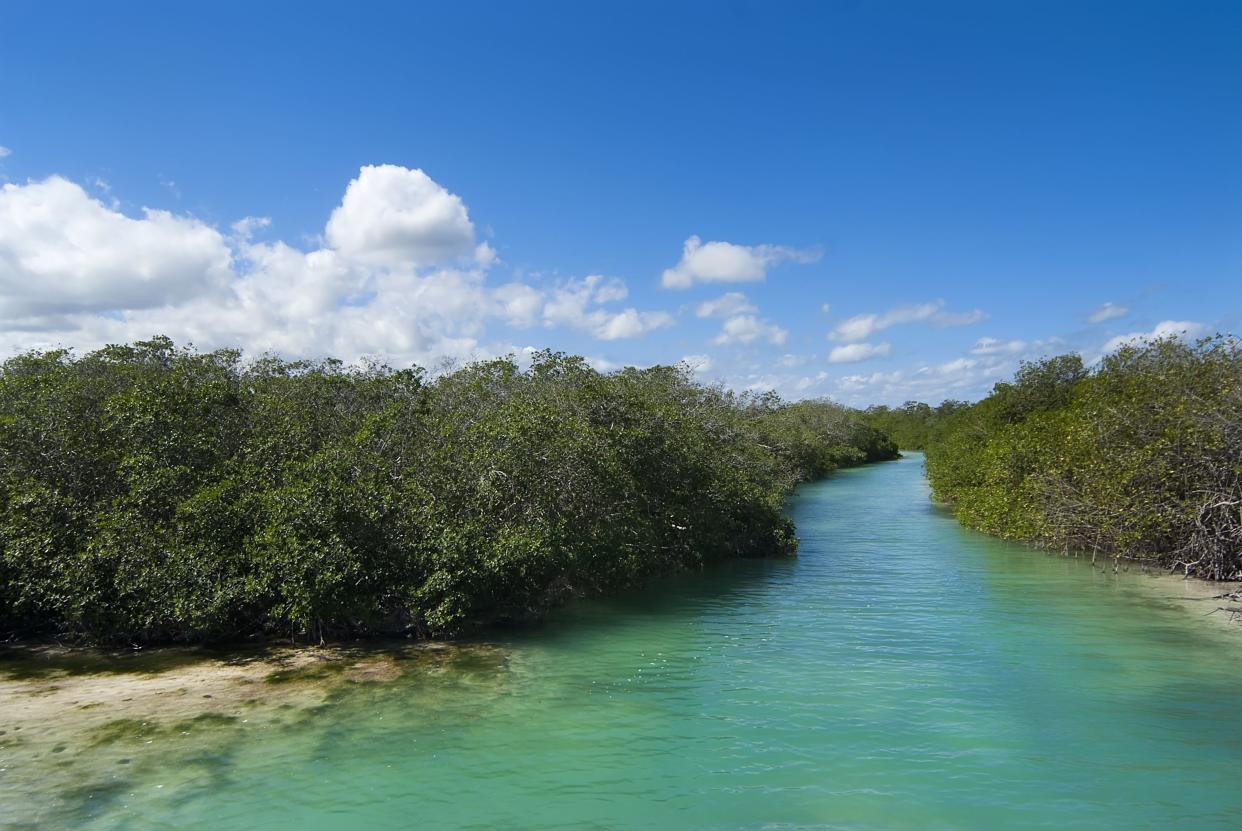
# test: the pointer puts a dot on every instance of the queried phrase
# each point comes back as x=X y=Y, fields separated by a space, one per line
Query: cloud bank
x=400 y=273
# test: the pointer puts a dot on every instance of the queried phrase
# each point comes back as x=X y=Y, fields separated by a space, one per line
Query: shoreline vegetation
x=1138 y=458
x=151 y=493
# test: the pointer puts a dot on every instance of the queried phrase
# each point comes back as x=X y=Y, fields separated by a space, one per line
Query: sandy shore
x=1203 y=599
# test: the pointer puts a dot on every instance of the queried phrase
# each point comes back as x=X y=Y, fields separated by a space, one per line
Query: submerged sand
x=71 y=720
x=1218 y=604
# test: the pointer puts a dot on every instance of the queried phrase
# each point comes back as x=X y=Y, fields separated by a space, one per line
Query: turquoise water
x=902 y=673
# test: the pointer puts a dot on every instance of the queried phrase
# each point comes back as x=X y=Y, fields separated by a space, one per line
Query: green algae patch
x=319 y=671
x=120 y=730
x=205 y=720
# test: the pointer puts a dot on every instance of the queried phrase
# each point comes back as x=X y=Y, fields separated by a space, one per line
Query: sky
x=869 y=201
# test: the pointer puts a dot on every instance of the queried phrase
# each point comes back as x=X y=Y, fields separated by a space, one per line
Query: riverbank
x=1136 y=455
x=1219 y=600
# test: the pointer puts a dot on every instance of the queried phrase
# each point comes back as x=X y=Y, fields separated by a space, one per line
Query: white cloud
x=960 y=318
x=748 y=329
x=1108 y=311
x=727 y=305
x=520 y=305
x=806 y=382
x=861 y=327
x=63 y=252
x=398 y=274
x=956 y=366
x=393 y=216
x=1163 y=329
x=854 y=352
x=727 y=262
x=247 y=227
x=485 y=256
x=962 y=376
x=631 y=323
x=602 y=364
x=576 y=304
x=786 y=385
x=993 y=346
x=856 y=382
x=698 y=363
x=4 y=151
x=741 y=325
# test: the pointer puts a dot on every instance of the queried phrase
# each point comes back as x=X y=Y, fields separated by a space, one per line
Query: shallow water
x=901 y=673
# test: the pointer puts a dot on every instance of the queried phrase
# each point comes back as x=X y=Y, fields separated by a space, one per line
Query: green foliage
x=817 y=437
x=153 y=493
x=911 y=424
x=1141 y=457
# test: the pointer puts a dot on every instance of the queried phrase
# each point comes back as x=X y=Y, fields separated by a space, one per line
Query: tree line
x=154 y=493
x=911 y=425
x=1139 y=457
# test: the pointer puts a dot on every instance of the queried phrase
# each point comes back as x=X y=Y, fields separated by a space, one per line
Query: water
x=902 y=673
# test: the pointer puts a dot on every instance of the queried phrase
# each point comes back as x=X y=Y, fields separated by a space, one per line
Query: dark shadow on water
x=673 y=595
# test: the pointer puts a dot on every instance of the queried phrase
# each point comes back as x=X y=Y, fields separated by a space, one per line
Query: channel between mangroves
x=902 y=672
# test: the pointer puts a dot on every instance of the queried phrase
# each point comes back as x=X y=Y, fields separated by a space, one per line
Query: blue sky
x=870 y=201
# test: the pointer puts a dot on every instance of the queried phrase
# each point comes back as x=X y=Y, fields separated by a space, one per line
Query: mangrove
x=156 y=493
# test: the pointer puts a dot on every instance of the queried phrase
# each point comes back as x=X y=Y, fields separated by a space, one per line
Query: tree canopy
x=1139 y=457
x=154 y=493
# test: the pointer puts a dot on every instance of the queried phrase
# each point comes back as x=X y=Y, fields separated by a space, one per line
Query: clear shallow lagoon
x=902 y=673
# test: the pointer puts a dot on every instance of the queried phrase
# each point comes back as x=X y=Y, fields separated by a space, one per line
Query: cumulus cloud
x=727 y=305
x=857 y=382
x=806 y=382
x=1163 y=329
x=853 y=352
x=62 y=252
x=934 y=382
x=519 y=304
x=1108 y=311
x=399 y=274
x=395 y=216
x=630 y=323
x=4 y=151
x=787 y=385
x=577 y=304
x=727 y=262
x=863 y=326
x=748 y=329
x=993 y=346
